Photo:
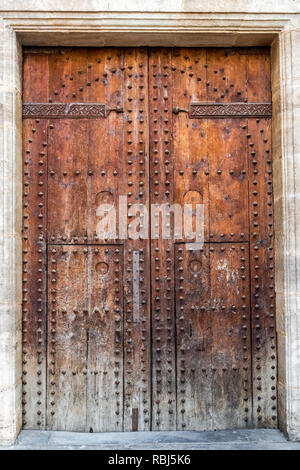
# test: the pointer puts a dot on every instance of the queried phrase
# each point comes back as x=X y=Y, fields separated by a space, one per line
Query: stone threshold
x=245 y=439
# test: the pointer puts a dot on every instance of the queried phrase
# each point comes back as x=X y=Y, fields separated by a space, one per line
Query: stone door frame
x=279 y=30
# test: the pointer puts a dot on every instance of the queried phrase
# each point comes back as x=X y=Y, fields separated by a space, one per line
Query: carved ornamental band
x=67 y=110
x=221 y=110
x=101 y=110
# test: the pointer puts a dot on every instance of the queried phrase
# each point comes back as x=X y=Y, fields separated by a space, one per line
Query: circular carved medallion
x=101 y=268
x=195 y=266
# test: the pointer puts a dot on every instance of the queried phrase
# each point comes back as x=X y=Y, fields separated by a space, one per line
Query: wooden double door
x=147 y=333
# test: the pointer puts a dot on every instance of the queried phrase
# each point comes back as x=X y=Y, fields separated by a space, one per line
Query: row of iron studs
x=34 y=275
x=75 y=86
x=136 y=330
x=164 y=395
x=261 y=249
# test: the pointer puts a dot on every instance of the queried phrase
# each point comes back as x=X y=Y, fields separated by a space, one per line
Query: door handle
x=117 y=109
x=177 y=110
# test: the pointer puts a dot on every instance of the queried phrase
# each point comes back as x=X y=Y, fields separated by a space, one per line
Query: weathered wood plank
x=162 y=258
x=137 y=337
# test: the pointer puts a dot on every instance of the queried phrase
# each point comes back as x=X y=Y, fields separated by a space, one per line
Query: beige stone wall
x=10 y=239
x=211 y=7
x=155 y=22
x=287 y=228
